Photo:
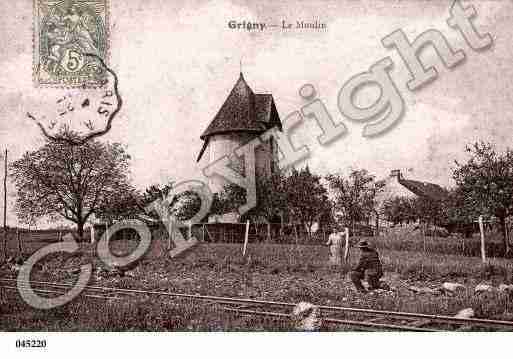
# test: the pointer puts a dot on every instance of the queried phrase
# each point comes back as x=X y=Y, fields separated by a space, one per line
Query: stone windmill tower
x=243 y=116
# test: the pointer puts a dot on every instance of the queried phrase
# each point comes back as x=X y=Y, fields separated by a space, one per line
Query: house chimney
x=396 y=173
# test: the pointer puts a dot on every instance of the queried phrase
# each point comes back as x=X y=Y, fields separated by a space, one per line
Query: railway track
x=336 y=317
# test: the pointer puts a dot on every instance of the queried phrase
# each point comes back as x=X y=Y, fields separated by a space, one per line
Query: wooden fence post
x=4 y=245
x=246 y=238
x=92 y=239
x=169 y=229
x=295 y=232
x=346 y=249
x=483 y=248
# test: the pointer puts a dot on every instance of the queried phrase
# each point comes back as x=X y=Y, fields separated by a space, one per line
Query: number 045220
x=31 y=343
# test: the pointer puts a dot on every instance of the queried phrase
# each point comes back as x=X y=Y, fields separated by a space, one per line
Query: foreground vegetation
x=271 y=272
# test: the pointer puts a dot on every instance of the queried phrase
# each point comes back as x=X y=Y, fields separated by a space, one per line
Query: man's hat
x=363 y=244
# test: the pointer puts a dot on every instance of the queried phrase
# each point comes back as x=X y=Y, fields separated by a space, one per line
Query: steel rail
x=351 y=323
x=409 y=315
x=25 y=289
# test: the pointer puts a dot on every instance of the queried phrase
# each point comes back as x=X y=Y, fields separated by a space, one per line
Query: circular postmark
x=81 y=114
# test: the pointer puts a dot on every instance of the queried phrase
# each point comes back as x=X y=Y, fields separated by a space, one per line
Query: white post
x=246 y=238
x=483 y=248
x=190 y=231
x=169 y=227
x=346 y=249
x=92 y=233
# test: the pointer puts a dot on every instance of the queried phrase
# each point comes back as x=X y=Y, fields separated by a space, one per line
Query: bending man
x=368 y=266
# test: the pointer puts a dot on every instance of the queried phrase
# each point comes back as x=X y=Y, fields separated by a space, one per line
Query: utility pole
x=5 y=207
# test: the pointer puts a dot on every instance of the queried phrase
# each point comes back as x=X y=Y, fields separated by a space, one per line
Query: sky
x=178 y=60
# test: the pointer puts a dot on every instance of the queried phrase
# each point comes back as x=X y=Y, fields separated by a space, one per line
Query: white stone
x=506 y=288
x=466 y=313
x=483 y=288
x=424 y=290
x=306 y=316
x=453 y=287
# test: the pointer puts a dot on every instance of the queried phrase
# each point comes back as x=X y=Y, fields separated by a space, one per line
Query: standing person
x=368 y=266
x=334 y=242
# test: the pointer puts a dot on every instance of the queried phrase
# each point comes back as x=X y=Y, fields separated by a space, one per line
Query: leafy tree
x=125 y=205
x=299 y=195
x=155 y=192
x=399 y=209
x=459 y=213
x=306 y=198
x=183 y=205
x=186 y=205
x=228 y=200
x=486 y=183
x=355 y=196
x=70 y=181
x=428 y=210
x=271 y=198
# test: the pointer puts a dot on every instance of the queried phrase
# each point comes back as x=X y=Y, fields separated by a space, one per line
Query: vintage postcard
x=239 y=166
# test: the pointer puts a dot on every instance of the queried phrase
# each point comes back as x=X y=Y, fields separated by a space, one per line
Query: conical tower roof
x=243 y=111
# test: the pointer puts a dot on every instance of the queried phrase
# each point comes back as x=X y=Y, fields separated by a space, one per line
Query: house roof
x=424 y=189
x=244 y=111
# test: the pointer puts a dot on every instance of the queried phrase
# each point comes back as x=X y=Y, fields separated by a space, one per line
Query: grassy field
x=457 y=245
x=413 y=242
x=271 y=272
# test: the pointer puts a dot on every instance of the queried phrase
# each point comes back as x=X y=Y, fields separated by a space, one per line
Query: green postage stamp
x=69 y=37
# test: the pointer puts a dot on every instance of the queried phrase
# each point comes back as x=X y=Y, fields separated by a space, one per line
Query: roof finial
x=240 y=66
